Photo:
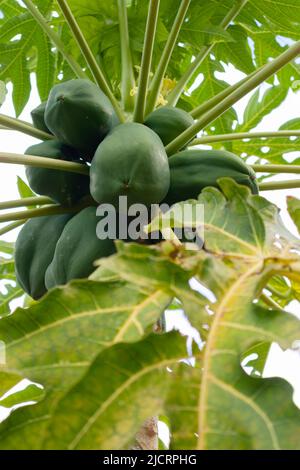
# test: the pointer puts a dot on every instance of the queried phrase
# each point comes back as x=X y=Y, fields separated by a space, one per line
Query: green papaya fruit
x=62 y=186
x=193 y=170
x=38 y=117
x=168 y=122
x=77 y=249
x=34 y=251
x=80 y=115
x=130 y=162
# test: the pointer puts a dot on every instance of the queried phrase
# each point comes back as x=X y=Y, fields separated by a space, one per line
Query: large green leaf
x=134 y=382
x=99 y=23
x=55 y=349
x=10 y=290
x=82 y=319
x=8 y=380
x=22 y=42
x=243 y=239
x=293 y=205
x=257 y=108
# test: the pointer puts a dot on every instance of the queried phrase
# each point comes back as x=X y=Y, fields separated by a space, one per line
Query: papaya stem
x=13 y=226
x=146 y=60
x=270 y=302
x=276 y=168
x=204 y=52
x=26 y=202
x=262 y=74
x=243 y=135
x=24 y=127
x=53 y=209
x=156 y=82
x=54 y=37
x=128 y=80
x=89 y=56
x=277 y=292
x=202 y=108
x=44 y=162
x=275 y=185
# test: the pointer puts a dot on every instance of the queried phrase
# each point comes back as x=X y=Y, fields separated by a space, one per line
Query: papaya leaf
x=9 y=289
x=54 y=350
x=31 y=393
x=209 y=87
x=181 y=406
x=3 y=92
x=237 y=52
x=270 y=150
x=9 y=293
x=257 y=108
x=114 y=412
x=99 y=24
x=282 y=15
x=243 y=239
x=70 y=329
x=241 y=412
x=22 y=39
x=24 y=189
x=293 y=206
x=150 y=267
x=282 y=291
x=8 y=380
x=6 y=247
x=7 y=264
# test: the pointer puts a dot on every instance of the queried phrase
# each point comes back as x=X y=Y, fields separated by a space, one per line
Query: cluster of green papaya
x=124 y=159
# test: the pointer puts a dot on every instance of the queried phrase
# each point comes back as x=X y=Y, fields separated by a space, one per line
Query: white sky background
x=283 y=364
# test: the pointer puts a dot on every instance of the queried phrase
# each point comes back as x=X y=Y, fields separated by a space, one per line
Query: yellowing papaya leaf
x=54 y=350
x=142 y=374
x=293 y=206
x=245 y=244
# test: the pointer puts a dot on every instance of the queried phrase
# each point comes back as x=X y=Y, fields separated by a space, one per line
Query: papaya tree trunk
x=147 y=437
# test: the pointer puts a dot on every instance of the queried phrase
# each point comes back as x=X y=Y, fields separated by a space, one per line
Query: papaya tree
x=135 y=102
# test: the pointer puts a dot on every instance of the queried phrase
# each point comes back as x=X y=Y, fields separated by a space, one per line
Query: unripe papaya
x=62 y=186
x=130 y=162
x=80 y=115
x=34 y=251
x=38 y=117
x=77 y=249
x=168 y=122
x=193 y=170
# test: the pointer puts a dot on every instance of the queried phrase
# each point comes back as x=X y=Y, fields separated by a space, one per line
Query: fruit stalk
x=26 y=202
x=13 y=226
x=43 y=162
x=276 y=168
x=203 y=107
x=156 y=82
x=54 y=37
x=204 y=52
x=270 y=302
x=25 y=128
x=146 y=60
x=54 y=209
x=89 y=56
x=128 y=80
x=262 y=74
x=244 y=135
x=275 y=185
